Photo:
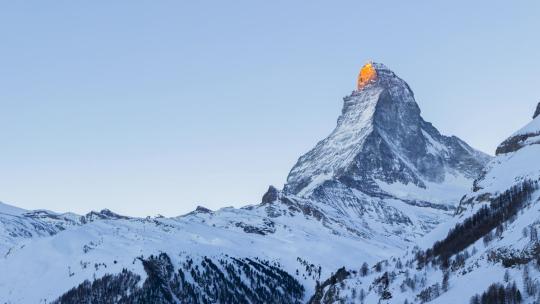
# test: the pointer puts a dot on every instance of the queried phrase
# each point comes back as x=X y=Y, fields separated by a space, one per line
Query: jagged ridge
x=381 y=139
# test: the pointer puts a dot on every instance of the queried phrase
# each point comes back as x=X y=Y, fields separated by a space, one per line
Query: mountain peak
x=368 y=74
x=381 y=139
x=377 y=74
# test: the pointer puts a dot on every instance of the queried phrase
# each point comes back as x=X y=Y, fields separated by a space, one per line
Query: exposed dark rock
x=267 y=227
x=201 y=209
x=270 y=196
x=515 y=143
x=303 y=207
x=537 y=112
x=104 y=214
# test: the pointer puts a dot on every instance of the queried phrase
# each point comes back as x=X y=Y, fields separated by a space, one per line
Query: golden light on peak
x=367 y=75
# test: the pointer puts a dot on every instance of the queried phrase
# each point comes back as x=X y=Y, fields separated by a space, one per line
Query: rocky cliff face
x=382 y=147
x=537 y=112
x=526 y=136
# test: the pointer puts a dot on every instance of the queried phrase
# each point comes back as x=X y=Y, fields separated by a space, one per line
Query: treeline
x=227 y=280
x=502 y=208
x=498 y=294
x=106 y=289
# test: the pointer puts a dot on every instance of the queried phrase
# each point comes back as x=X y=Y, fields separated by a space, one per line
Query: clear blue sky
x=149 y=107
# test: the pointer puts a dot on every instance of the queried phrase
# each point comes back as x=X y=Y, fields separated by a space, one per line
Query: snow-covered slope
x=380 y=181
x=292 y=235
x=19 y=226
x=488 y=253
x=516 y=161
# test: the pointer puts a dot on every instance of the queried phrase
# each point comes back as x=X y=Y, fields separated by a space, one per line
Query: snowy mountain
x=384 y=168
x=488 y=253
x=382 y=147
x=294 y=238
x=18 y=226
x=383 y=179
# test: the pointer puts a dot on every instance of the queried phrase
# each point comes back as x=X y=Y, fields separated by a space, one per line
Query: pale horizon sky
x=155 y=107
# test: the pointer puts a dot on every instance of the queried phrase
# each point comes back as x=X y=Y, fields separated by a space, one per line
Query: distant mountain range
x=383 y=210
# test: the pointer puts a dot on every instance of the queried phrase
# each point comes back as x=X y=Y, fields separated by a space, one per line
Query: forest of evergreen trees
x=228 y=280
x=105 y=290
x=502 y=208
x=498 y=294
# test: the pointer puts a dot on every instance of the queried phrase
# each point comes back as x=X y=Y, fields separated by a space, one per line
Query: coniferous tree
x=506 y=276
x=533 y=235
x=498 y=294
x=362 y=295
x=364 y=270
x=445 y=281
